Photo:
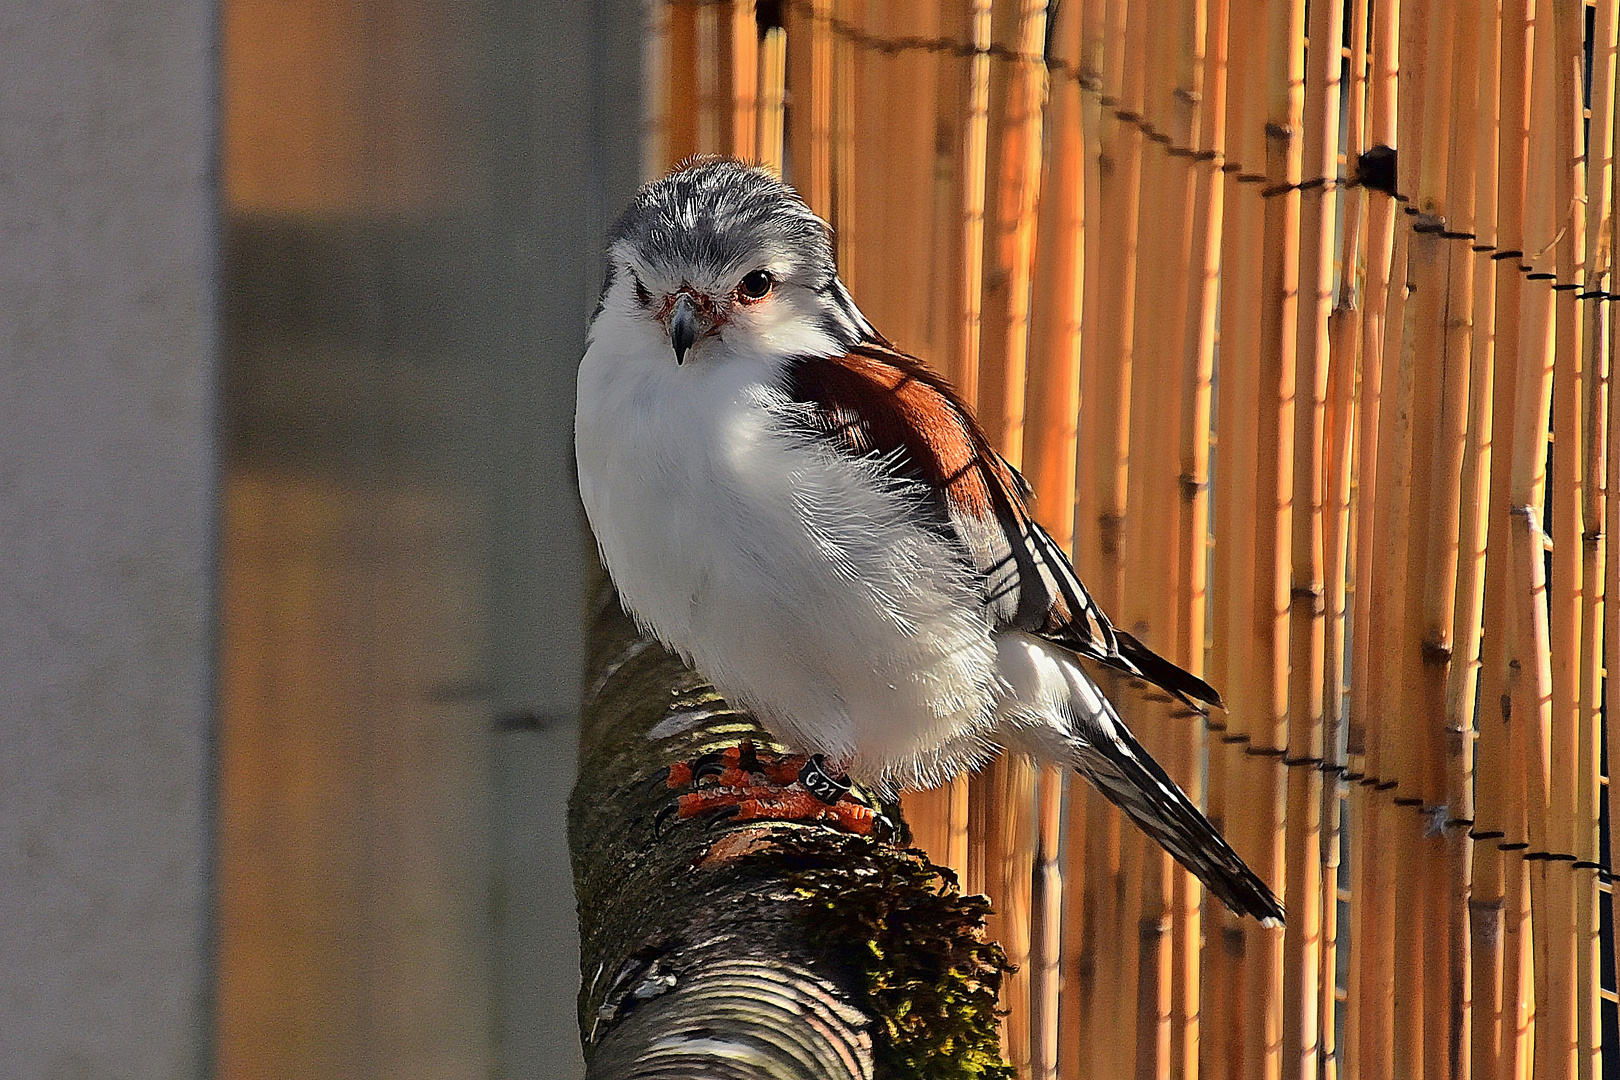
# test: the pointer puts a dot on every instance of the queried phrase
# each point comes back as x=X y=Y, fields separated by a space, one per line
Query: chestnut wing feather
x=876 y=400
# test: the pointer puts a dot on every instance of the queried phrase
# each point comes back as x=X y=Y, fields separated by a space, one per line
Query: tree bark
x=759 y=950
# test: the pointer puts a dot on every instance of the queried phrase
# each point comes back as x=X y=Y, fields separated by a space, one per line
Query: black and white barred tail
x=1108 y=755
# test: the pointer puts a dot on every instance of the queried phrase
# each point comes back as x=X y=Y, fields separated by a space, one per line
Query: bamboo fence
x=1296 y=316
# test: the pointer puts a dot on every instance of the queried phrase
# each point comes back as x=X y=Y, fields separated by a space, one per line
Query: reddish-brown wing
x=876 y=400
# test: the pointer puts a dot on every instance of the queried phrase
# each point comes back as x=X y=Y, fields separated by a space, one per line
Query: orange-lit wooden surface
x=407 y=244
x=348 y=940
x=343 y=108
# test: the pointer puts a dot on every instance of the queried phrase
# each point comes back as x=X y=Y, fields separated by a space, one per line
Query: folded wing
x=876 y=400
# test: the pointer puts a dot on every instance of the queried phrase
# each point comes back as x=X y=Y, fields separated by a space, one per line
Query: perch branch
x=762 y=949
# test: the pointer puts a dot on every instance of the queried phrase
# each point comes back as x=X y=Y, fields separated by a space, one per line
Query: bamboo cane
x=845 y=93
x=1195 y=73
x=1307 y=612
x=975 y=136
x=1094 y=850
x=1392 y=928
x=1369 y=999
x=1270 y=730
x=1142 y=1023
x=1572 y=501
x=977 y=877
x=1255 y=359
x=1589 y=761
x=1046 y=931
x=1498 y=816
x=1231 y=583
x=1018 y=96
x=1520 y=969
x=1012 y=181
x=1075 y=964
x=1595 y=364
x=1124 y=39
x=1120 y=150
x=1419 y=942
x=1010 y=863
x=1345 y=337
x=1525 y=686
x=1338 y=548
x=1204 y=252
x=1405 y=471
x=1533 y=693
x=894 y=136
x=956 y=127
x=809 y=119
x=1150 y=536
x=1056 y=307
x=772 y=97
x=1478 y=955
x=1568 y=508
x=1611 y=564
x=1383 y=733
x=1452 y=526
x=1049 y=464
x=740 y=71
x=1087 y=543
x=956 y=256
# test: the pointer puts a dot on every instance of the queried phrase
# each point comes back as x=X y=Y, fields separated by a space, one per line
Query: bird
x=814 y=520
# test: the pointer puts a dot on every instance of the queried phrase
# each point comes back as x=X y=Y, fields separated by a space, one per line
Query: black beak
x=685 y=325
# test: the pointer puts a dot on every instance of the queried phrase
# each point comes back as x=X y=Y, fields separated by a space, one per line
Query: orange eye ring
x=755 y=286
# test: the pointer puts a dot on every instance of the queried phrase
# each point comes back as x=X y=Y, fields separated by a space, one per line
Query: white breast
x=789 y=574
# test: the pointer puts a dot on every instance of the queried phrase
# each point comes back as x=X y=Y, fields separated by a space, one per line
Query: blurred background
x=291 y=297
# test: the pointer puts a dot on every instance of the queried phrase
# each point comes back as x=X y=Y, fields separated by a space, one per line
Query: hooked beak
x=686 y=325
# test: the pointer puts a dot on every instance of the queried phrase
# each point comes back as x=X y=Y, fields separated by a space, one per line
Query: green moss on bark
x=928 y=977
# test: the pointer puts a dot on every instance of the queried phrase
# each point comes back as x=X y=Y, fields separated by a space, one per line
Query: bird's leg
x=741 y=784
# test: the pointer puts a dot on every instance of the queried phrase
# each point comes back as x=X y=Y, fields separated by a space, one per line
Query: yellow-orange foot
x=742 y=784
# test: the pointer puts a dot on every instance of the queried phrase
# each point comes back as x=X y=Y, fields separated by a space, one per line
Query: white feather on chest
x=793 y=576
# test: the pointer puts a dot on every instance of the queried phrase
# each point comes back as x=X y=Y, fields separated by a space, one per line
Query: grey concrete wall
x=585 y=96
x=107 y=475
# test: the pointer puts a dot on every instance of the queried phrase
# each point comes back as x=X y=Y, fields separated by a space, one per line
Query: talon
x=721 y=762
x=709 y=768
x=662 y=816
x=721 y=816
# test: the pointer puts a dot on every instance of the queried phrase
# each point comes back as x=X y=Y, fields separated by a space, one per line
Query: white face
x=754 y=307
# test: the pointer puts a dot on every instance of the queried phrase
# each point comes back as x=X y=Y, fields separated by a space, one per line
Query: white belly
x=783 y=572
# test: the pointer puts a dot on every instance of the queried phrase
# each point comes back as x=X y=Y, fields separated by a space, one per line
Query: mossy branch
x=765 y=950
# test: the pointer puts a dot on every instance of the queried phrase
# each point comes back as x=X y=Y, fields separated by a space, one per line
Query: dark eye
x=755 y=286
x=641 y=290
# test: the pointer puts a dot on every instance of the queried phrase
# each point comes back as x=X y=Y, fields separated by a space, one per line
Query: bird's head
x=719 y=259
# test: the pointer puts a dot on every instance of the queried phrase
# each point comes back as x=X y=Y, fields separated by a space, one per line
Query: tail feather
x=1111 y=758
x=1056 y=710
x=1140 y=660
